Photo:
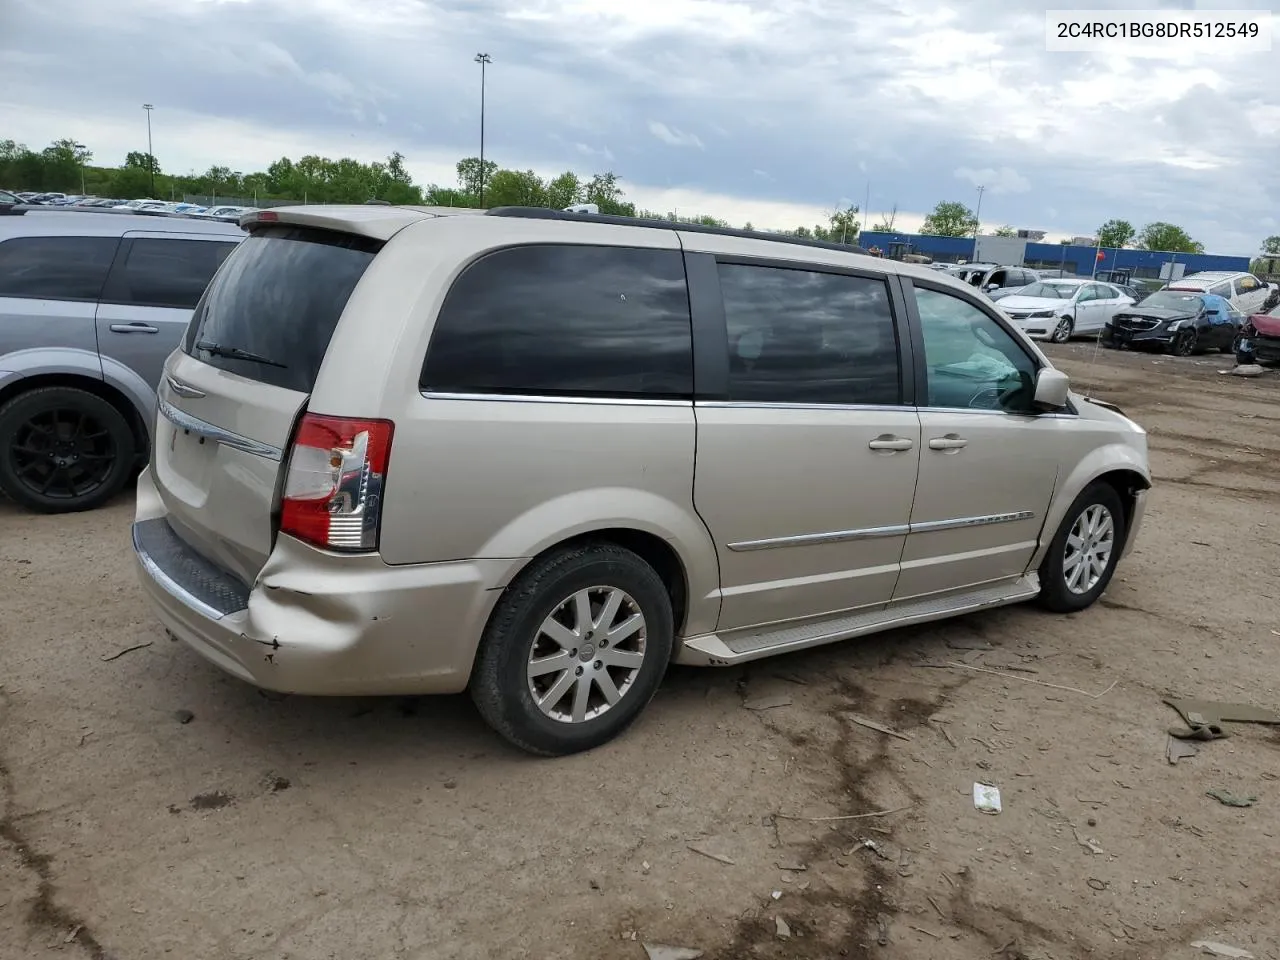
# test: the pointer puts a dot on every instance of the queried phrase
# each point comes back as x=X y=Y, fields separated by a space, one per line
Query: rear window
x=271 y=310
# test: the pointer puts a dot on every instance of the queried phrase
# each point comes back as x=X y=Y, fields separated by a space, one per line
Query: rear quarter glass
x=279 y=297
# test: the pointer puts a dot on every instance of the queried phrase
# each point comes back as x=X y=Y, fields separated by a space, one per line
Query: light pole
x=484 y=60
x=977 y=215
x=81 y=146
x=151 y=160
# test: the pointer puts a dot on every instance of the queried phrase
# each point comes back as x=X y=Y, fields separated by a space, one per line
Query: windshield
x=271 y=310
x=1171 y=300
x=1049 y=291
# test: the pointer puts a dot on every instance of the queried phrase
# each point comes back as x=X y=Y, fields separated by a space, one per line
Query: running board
x=711 y=650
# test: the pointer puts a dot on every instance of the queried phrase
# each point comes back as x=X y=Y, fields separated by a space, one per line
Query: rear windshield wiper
x=235 y=353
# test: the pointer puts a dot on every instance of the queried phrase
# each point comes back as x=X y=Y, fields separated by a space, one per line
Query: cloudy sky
x=764 y=110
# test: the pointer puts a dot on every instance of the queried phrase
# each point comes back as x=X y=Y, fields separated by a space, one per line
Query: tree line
x=65 y=166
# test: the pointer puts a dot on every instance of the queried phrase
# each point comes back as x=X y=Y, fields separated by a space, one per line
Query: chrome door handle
x=888 y=442
x=947 y=443
x=134 y=328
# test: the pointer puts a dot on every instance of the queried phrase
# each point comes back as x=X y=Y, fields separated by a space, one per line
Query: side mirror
x=991 y=286
x=1052 y=387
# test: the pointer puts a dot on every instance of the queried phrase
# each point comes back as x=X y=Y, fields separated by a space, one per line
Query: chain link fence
x=218 y=200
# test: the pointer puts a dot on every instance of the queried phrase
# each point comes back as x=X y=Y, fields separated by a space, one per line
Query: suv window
x=971 y=360
x=566 y=320
x=55 y=268
x=279 y=297
x=1222 y=289
x=166 y=273
x=1247 y=284
x=800 y=336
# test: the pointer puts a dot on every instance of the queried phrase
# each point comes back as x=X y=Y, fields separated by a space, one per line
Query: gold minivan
x=541 y=455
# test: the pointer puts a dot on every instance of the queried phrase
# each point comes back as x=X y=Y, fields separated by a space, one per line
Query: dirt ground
x=267 y=827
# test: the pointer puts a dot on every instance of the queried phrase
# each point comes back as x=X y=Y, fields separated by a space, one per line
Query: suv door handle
x=950 y=442
x=135 y=327
x=887 y=441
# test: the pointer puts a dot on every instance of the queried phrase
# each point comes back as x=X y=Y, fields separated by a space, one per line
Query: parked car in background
x=540 y=456
x=1245 y=291
x=9 y=202
x=1060 y=309
x=1260 y=338
x=90 y=306
x=1178 y=322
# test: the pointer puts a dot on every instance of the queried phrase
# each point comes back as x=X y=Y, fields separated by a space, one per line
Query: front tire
x=574 y=650
x=1184 y=343
x=63 y=449
x=1063 y=331
x=1085 y=550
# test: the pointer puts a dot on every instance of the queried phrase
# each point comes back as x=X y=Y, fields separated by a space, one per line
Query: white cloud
x=996 y=180
x=677 y=138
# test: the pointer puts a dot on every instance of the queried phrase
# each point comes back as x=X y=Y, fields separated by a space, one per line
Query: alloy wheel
x=1088 y=548
x=1185 y=343
x=587 y=654
x=1062 y=332
x=62 y=454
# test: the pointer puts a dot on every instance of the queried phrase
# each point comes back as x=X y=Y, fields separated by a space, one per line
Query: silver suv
x=541 y=455
x=91 y=304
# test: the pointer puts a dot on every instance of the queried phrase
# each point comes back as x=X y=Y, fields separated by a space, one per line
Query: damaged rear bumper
x=320 y=623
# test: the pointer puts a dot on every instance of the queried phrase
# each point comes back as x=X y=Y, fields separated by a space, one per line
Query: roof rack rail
x=545 y=213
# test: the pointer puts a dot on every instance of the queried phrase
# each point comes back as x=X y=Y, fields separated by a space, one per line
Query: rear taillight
x=333 y=487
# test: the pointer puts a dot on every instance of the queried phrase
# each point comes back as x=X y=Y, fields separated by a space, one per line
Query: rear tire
x=1064 y=586
x=63 y=449
x=543 y=678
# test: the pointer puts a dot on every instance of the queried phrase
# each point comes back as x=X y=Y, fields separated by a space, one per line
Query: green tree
x=564 y=191
x=1005 y=231
x=950 y=219
x=134 y=160
x=515 y=188
x=843 y=226
x=469 y=174
x=605 y=191
x=1271 y=246
x=1167 y=238
x=1116 y=234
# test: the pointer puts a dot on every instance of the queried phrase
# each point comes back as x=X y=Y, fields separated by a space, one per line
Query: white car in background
x=1056 y=310
x=1245 y=291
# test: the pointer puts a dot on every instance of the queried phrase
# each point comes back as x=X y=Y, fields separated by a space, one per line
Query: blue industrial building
x=1055 y=256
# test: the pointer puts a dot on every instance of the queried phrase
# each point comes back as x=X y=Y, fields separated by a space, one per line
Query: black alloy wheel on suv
x=63 y=449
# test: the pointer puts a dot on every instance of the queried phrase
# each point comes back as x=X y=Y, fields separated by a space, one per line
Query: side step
x=713 y=650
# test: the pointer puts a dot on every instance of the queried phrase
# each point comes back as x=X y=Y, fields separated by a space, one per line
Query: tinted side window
x=798 y=336
x=563 y=320
x=55 y=268
x=971 y=360
x=1222 y=289
x=166 y=273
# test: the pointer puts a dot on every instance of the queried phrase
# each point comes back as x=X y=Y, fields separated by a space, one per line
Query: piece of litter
x=986 y=798
x=644 y=865
x=1175 y=750
x=1215 y=949
x=1230 y=799
x=75 y=932
x=777 y=894
x=121 y=653
x=1096 y=884
x=1090 y=845
x=768 y=703
x=882 y=930
x=781 y=928
x=719 y=857
x=873 y=725
x=927 y=933
x=794 y=866
x=662 y=951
